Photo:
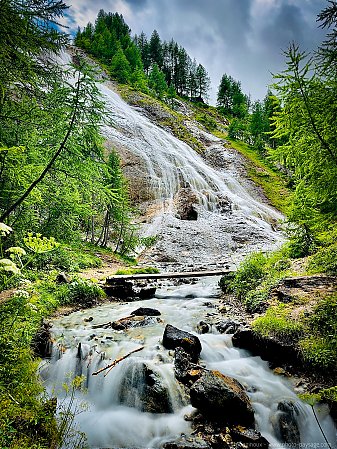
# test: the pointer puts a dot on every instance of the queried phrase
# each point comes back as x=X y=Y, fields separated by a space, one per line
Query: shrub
x=324 y=261
x=249 y=275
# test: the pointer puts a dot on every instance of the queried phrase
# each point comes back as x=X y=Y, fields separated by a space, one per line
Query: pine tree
x=155 y=49
x=157 y=81
x=120 y=67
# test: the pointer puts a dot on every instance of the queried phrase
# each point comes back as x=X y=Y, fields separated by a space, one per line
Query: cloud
x=243 y=38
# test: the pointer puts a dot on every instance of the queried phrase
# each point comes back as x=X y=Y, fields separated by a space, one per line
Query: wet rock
x=123 y=289
x=187 y=443
x=185 y=201
x=275 y=351
x=222 y=398
x=146 y=311
x=143 y=388
x=285 y=424
x=145 y=292
x=227 y=326
x=133 y=321
x=120 y=290
x=249 y=437
x=42 y=341
x=174 y=338
x=203 y=328
x=184 y=369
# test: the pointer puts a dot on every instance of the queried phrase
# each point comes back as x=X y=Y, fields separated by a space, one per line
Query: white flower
x=22 y=294
x=4 y=229
x=9 y=265
x=16 y=250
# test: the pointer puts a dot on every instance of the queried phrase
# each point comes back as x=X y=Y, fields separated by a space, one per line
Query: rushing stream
x=117 y=415
x=115 y=418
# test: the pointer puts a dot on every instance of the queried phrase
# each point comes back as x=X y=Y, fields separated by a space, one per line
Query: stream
x=116 y=412
x=115 y=417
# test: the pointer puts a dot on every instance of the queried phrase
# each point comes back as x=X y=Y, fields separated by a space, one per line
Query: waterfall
x=139 y=403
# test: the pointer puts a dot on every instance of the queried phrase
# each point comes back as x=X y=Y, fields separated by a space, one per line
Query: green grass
x=272 y=182
x=135 y=270
x=277 y=322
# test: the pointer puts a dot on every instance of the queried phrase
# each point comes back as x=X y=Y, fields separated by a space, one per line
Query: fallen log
x=115 y=362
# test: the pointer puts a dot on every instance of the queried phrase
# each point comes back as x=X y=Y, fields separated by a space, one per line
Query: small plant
x=278 y=323
x=135 y=270
x=312 y=400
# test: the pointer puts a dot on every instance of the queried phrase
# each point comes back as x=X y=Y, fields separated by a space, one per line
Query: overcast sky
x=243 y=38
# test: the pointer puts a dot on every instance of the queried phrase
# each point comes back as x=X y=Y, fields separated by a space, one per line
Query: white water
x=110 y=422
x=115 y=417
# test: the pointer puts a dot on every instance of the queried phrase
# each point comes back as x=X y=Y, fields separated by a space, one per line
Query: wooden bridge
x=174 y=275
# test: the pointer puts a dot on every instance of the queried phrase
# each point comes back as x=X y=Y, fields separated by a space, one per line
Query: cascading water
x=124 y=407
x=139 y=403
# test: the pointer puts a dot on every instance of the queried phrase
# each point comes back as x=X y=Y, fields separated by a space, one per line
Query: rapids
x=115 y=415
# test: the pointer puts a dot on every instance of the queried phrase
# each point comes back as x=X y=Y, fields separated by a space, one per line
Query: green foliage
x=324 y=261
x=157 y=81
x=231 y=100
x=78 y=292
x=255 y=276
x=120 y=67
x=137 y=270
x=249 y=275
x=26 y=419
x=278 y=322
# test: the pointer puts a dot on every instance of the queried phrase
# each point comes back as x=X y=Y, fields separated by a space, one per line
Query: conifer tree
x=120 y=67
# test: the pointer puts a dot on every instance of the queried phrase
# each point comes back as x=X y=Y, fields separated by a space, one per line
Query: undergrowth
x=135 y=270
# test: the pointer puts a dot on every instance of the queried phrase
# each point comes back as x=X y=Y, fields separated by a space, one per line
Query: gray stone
x=285 y=424
x=174 y=338
x=222 y=398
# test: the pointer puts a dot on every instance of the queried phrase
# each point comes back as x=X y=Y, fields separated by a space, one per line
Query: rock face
x=143 y=388
x=285 y=424
x=185 y=201
x=270 y=349
x=174 y=338
x=222 y=399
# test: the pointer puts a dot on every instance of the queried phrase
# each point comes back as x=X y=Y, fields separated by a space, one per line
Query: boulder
x=123 y=289
x=267 y=348
x=185 y=201
x=187 y=443
x=221 y=398
x=133 y=321
x=146 y=311
x=142 y=387
x=174 y=338
x=184 y=369
x=285 y=423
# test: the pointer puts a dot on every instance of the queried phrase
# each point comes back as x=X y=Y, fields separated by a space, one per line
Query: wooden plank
x=173 y=275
